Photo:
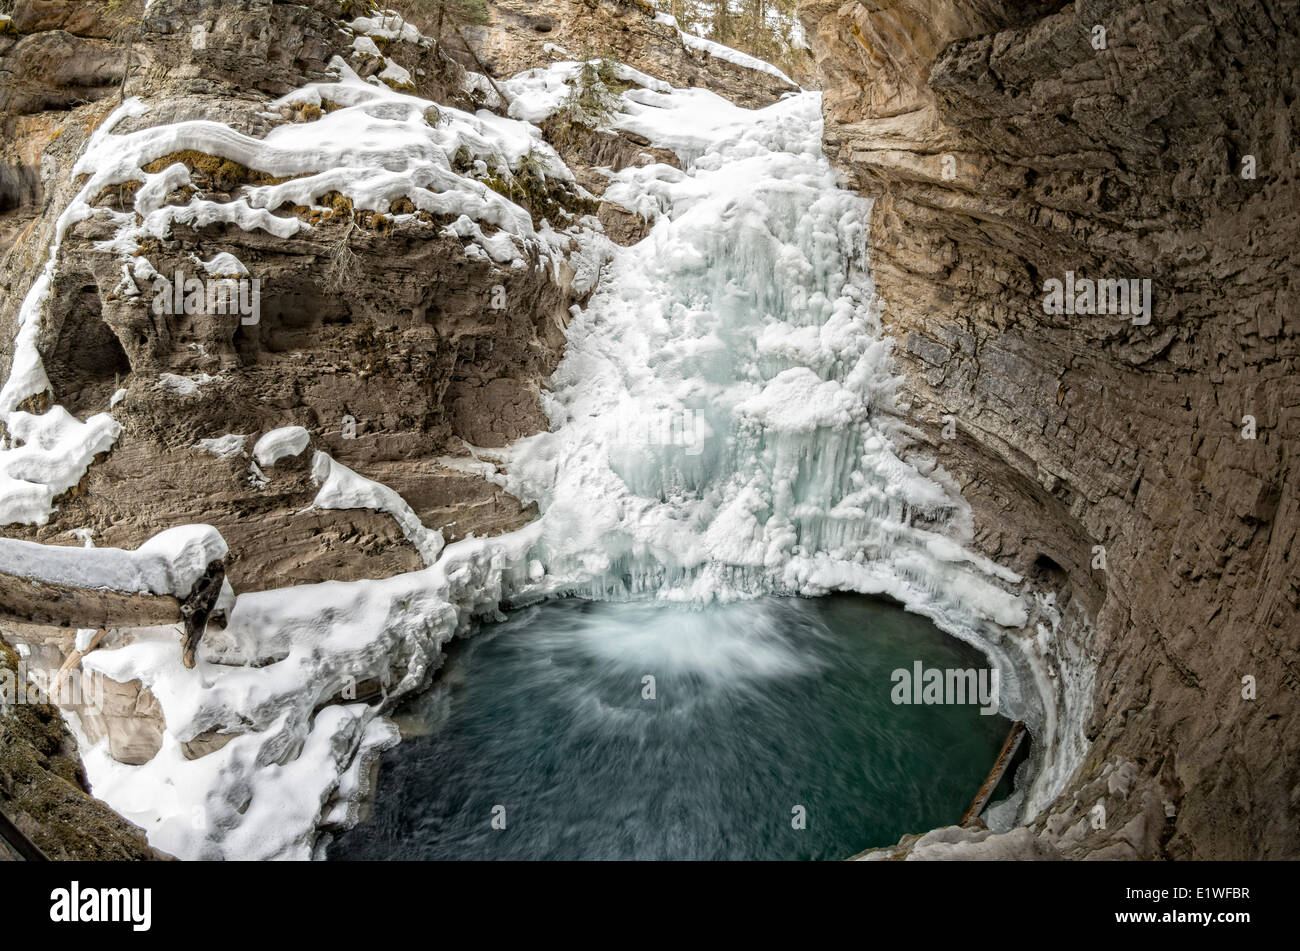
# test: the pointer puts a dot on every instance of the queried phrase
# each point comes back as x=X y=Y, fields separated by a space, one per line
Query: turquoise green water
x=762 y=711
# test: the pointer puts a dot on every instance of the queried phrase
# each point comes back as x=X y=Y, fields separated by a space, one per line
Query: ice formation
x=742 y=327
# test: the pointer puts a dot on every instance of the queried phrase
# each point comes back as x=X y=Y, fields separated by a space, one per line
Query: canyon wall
x=410 y=356
x=389 y=336
x=524 y=34
x=43 y=788
x=1145 y=471
x=398 y=340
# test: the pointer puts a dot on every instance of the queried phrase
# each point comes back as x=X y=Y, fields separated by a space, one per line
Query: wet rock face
x=1007 y=144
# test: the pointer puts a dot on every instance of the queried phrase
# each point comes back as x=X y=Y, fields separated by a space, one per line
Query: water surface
x=759 y=707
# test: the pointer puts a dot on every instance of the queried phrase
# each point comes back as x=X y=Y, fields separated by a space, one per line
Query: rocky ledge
x=400 y=325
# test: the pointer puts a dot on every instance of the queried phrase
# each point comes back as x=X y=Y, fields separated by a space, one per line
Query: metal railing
x=23 y=847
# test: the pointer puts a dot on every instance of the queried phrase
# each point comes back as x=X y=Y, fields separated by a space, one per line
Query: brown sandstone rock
x=1079 y=431
x=43 y=786
x=626 y=30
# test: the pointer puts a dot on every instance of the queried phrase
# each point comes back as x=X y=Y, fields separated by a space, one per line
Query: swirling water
x=760 y=706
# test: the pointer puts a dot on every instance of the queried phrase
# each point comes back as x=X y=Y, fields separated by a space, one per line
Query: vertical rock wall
x=1008 y=143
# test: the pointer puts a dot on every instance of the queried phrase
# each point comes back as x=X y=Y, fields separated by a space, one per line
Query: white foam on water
x=741 y=643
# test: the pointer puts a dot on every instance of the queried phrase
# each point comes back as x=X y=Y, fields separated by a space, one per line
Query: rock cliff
x=1140 y=473
x=524 y=34
x=393 y=331
x=1144 y=470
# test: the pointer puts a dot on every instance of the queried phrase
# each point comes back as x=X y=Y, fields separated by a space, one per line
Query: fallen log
x=999 y=770
x=174 y=578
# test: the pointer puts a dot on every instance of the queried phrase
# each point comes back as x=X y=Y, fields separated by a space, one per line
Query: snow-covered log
x=175 y=577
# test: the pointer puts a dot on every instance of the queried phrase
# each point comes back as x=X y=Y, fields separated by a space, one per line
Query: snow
x=85 y=535
x=476 y=84
x=735 y=57
x=364 y=44
x=26 y=371
x=749 y=307
x=692 y=121
x=379 y=148
x=281 y=801
x=223 y=447
x=341 y=488
x=687 y=121
x=49 y=455
x=392 y=71
x=268 y=678
x=718 y=51
x=389 y=27
x=537 y=94
x=224 y=264
x=256 y=477
x=167 y=564
x=182 y=385
x=279 y=444
x=797 y=400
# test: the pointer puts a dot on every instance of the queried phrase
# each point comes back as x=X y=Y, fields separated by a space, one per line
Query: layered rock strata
x=1143 y=470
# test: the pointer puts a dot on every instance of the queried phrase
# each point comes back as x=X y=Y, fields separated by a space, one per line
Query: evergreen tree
x=438 y=18
x=768 y=29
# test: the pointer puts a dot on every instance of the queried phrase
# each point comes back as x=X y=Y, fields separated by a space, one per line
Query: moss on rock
x=221 y=173
x=43 y=787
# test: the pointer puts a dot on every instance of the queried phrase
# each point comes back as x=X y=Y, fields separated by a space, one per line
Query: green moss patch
x=43 y=786
x=220 y=173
